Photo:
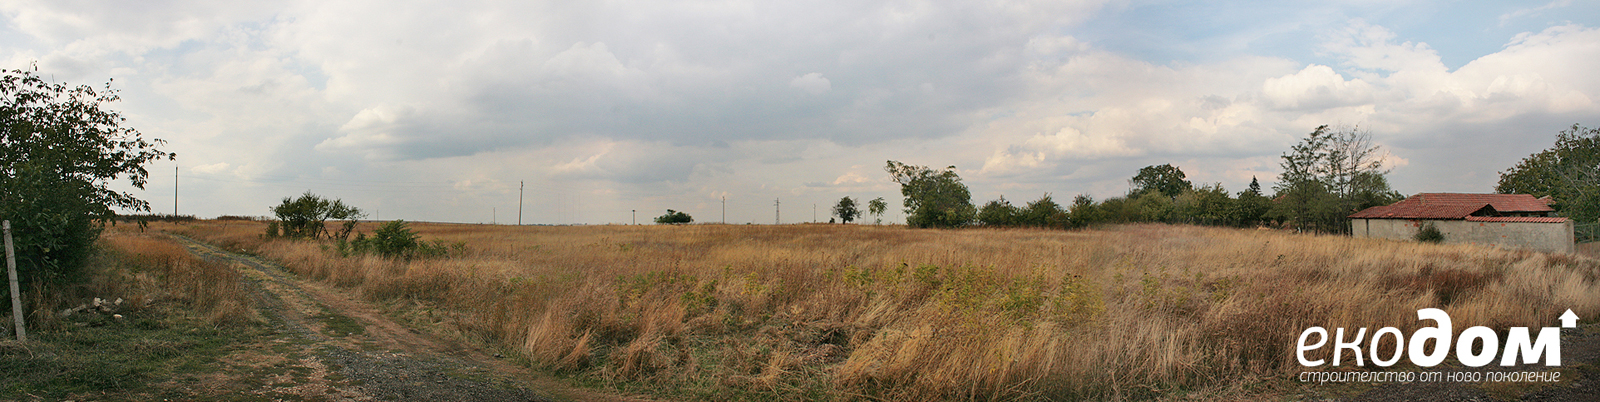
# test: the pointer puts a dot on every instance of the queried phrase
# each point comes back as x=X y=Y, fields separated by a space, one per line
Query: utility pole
x=520 y=185
x=777 y=212
x=494 y=214
x=636 y=217
x=813 y=213
x=724 y=209
x=16 y=294
x=174 y=190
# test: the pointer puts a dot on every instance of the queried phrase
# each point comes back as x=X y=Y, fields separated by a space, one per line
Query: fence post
x=16 y=294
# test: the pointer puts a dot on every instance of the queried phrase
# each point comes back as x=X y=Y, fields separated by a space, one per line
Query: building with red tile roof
x=1507 y=220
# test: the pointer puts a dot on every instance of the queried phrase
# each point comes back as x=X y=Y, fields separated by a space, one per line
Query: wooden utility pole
x=520 y=185
x=16 y=292
x=724 y=209
x=174 y=191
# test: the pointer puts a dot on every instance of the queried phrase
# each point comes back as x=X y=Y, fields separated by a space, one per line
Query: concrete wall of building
x=1551 y=237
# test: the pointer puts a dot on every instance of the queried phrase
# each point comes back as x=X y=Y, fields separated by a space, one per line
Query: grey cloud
x=892 y=71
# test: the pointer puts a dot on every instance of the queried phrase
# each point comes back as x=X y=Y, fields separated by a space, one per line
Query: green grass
x=96 y=354
x=339 y=325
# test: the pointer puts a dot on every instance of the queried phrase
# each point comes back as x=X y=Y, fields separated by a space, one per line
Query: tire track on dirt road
x=363 y=355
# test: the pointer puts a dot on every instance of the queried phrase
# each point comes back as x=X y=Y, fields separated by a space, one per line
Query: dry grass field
x=151 y=269
x=847 y=312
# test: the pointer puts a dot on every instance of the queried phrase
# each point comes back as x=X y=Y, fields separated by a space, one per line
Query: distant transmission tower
x=777 y=212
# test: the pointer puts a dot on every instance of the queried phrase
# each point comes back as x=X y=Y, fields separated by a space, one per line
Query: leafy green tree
x=933 y=198
x=1166 y=179
x=846 y=210
x=673 y=217
x=1251 y=205
x=1115 y=210
x=1044 y=212
x=305 y=217
x=1370 y=189
x=1084 y=212
x=1330 y=174
x=1568 y=173
x=60 y=147
x=998 y=213
x=877 y=207
x=1149 y=206
x=1206 y=205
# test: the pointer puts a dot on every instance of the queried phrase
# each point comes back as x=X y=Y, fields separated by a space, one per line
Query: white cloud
x=1315 y=88
x=813 y=83
x=1507 y=17
x=211 y=168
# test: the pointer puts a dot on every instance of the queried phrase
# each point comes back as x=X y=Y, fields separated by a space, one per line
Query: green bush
x=1429 y=234
x=396 y=240
x=674 y=217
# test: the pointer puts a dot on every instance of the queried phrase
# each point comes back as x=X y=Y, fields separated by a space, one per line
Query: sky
x=590 y=111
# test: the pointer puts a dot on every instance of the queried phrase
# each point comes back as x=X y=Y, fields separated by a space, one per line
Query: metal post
x=16 y=292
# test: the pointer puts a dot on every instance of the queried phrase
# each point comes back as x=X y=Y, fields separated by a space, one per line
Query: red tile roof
x=1454 y=206
x=1533 y=219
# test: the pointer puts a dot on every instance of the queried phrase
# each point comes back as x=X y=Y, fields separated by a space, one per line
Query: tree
x=1329 y=175
x=933 y=198
x=877 y=207
x=1568 y=172
x=846 y=210
x=998 y=213
x=304 y=217
x=1207 y=205
x=1166 y=179
x=673 y=217
x=1044 y=212
x=60 y=147
x=1251 y=205
x=1084 y=212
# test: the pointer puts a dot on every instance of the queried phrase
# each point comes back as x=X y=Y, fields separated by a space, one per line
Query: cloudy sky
x=437 y=110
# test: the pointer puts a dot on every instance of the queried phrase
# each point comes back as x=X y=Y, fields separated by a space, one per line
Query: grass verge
x=162 y=316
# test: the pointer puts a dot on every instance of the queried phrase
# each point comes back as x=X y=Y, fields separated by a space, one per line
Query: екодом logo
x=1519 y=344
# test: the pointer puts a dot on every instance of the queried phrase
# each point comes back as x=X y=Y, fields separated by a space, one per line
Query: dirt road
x=329 y=346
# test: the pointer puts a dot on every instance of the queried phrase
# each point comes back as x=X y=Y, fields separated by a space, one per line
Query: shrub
x=272 y=230
x=1429 y=234
x=396 y=240
x=674 y=217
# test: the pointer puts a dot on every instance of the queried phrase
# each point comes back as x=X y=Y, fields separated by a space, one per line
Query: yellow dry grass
x=151 y=268
x=846 y=311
